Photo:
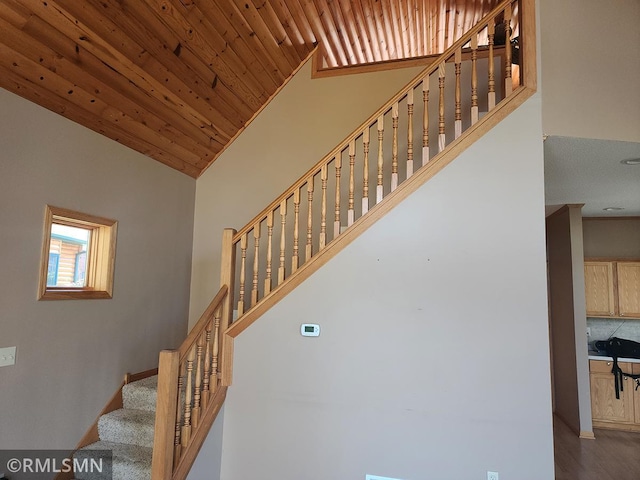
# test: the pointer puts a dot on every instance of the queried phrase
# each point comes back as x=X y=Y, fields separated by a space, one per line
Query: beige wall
x=306 y=120
x=618 y=237
x=433 y=353
x=568 y=319
x=590 y=68
x=71 y=355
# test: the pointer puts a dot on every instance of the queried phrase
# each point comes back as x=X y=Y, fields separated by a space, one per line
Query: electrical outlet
x=492 y=476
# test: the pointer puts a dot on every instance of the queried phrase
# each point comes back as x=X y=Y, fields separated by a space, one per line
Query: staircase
x=127 y=432
x=407 y=141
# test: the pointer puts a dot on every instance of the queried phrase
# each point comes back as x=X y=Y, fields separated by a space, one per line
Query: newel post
x=227 y=277
x=163 y=439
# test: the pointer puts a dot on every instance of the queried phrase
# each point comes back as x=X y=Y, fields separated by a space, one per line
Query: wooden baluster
x=336 y=222
x=410 y=133
x=508 y=82
x=283 y=240
x=206 y=379
x=379 y=189
x=474 y=79
x=295 y=260
x=309 y=250
x=458 y=94
x=243 y=261
x=365 y=171
x=256 y=242
x=177 y=444
x=425 y=121
x=442 y=139
x=267 y=280
x=394 y=147
x=492 y=80
x=197 y=389
x=323 y=210
x=216 y=349
x=351 y=213
x=188 y=399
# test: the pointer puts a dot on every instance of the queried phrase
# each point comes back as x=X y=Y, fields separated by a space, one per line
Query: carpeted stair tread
x=128 y=425
x=141 y=395
x=130 y=462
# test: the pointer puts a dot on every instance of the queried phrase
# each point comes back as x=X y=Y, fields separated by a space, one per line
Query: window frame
x=100 y=255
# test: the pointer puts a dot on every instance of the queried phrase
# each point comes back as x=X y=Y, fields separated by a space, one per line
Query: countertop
x=600 y=356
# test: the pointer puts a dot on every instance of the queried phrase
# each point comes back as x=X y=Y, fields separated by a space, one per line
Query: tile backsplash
x=604 y=328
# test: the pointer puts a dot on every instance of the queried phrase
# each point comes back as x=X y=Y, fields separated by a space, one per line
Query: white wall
x=72 y=354
x=433 y=357
x=590 y=68
x=299 y=127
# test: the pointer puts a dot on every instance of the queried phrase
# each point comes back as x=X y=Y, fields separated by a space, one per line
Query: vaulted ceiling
x=178 y=80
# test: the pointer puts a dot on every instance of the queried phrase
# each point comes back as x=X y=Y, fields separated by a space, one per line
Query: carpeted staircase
x=128 y=431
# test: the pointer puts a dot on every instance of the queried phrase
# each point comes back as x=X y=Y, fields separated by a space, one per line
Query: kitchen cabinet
x=629 y=289
x=612 y=288
x=605 y=407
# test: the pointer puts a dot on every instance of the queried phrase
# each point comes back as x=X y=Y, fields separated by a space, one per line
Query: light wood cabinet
x=599 y=290
x=612 y=288
x=610 y=412
x=629 y=289
x=605 y=407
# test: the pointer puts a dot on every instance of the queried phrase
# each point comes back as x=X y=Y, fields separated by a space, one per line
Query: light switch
x=7 y=356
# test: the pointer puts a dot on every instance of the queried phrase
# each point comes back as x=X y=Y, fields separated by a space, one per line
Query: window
x=78 y=255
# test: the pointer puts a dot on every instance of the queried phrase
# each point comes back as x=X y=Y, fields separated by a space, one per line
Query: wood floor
x=612 y=455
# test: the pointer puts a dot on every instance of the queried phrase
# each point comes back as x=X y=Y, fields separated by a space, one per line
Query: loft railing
x=190 y=394
x=441 y=111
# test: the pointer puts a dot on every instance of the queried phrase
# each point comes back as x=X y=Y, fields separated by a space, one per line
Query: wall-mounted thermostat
x=310 y=330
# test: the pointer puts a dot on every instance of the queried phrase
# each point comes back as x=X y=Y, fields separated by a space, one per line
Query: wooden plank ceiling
x=177 y=80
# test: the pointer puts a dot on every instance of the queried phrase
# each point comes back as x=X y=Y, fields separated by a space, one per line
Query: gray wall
x=300 y=126
x=612 y=237
x=590 y=62
x=421 y=367
x=72 y=354
x=567 y=317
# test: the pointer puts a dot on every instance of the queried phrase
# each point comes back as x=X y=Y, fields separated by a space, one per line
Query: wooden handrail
x=373 y=151
x=190 y=394
x=201 y=324
x=431 y=68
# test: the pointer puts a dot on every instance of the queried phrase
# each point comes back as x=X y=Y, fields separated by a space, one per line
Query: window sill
x=75 y=294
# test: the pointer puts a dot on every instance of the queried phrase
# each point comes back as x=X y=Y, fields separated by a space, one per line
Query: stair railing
x=190 y=394
x=453 y=101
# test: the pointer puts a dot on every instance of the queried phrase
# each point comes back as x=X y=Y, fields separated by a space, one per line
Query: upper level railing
x=446 y=101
